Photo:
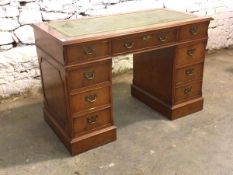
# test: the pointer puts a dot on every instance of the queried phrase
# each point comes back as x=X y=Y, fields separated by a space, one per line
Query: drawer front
x=188 y=91
x=90 y=99
x=147 y=40
x=92 y=121
x=190 y=53
x=87 y=51
x=189 y=73
x=89 y=75
x=193 y=31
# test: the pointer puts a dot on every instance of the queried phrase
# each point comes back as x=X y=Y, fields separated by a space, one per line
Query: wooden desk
x=76 y=68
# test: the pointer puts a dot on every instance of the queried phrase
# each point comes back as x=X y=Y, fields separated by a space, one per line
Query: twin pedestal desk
x=76 y=69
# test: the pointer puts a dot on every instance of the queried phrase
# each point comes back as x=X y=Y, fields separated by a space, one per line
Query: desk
x=76 y=69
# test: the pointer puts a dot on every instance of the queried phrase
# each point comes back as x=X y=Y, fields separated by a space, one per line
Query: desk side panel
x=49 y=44
x=54 y=89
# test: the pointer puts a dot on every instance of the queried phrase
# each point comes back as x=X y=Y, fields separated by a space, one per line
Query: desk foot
x=82 y=143
x=93 y=140
x=171 y=112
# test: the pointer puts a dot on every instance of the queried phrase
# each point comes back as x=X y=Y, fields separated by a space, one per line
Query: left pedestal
x=78 y=101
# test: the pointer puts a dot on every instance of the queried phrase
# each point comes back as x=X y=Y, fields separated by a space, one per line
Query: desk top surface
x=114 y=24
x=90 y=26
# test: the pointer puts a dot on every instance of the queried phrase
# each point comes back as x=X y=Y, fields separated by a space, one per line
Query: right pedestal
x=170 y=80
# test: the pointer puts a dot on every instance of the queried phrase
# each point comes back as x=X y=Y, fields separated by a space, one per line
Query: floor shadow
x=26 y=138
x=128 y=110
x=230 y=70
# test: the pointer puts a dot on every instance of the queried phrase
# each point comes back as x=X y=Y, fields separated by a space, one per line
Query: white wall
x=18 y=61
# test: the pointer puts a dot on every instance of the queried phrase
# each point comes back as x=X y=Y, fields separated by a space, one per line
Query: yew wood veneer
x=76 y=69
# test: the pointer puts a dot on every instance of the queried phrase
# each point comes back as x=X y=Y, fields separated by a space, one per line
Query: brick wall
x=18 y=62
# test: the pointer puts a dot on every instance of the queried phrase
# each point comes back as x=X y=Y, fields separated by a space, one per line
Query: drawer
x=187 y=54
x=89 y=74
x=147 y=40
x=188 y=91
x=189 y=73
x=87 y=51
x=92 y=121
x=193 y=31
x=90 y=99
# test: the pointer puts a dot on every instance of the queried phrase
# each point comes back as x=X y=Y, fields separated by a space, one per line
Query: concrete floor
x=147 y=144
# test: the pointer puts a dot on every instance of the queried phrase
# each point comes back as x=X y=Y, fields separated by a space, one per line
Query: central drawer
x=90 y=99
x=147 y=40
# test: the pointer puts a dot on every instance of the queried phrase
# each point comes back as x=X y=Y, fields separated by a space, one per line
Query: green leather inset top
x=73 y=28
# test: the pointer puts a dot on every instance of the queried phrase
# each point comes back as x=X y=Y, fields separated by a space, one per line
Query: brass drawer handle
x=92 y=119
x=189 y=72
x=147 y=37
x=89 y=50
x=163 y=37
x=91 y=98
x=129 y=45
x=193 y=30
x=187 y=90
x=191 y=52
x=89 y=75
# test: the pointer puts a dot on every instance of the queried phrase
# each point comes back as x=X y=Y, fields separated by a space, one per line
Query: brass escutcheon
x=163 y=37
x=89 y=50
x=147 y=37
x=92 y=119
x=193 y=30
x=90 y=75
x=129 y=44
x=191 y=52
x=187 y=90
x=189 y=72
x=91 y=98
